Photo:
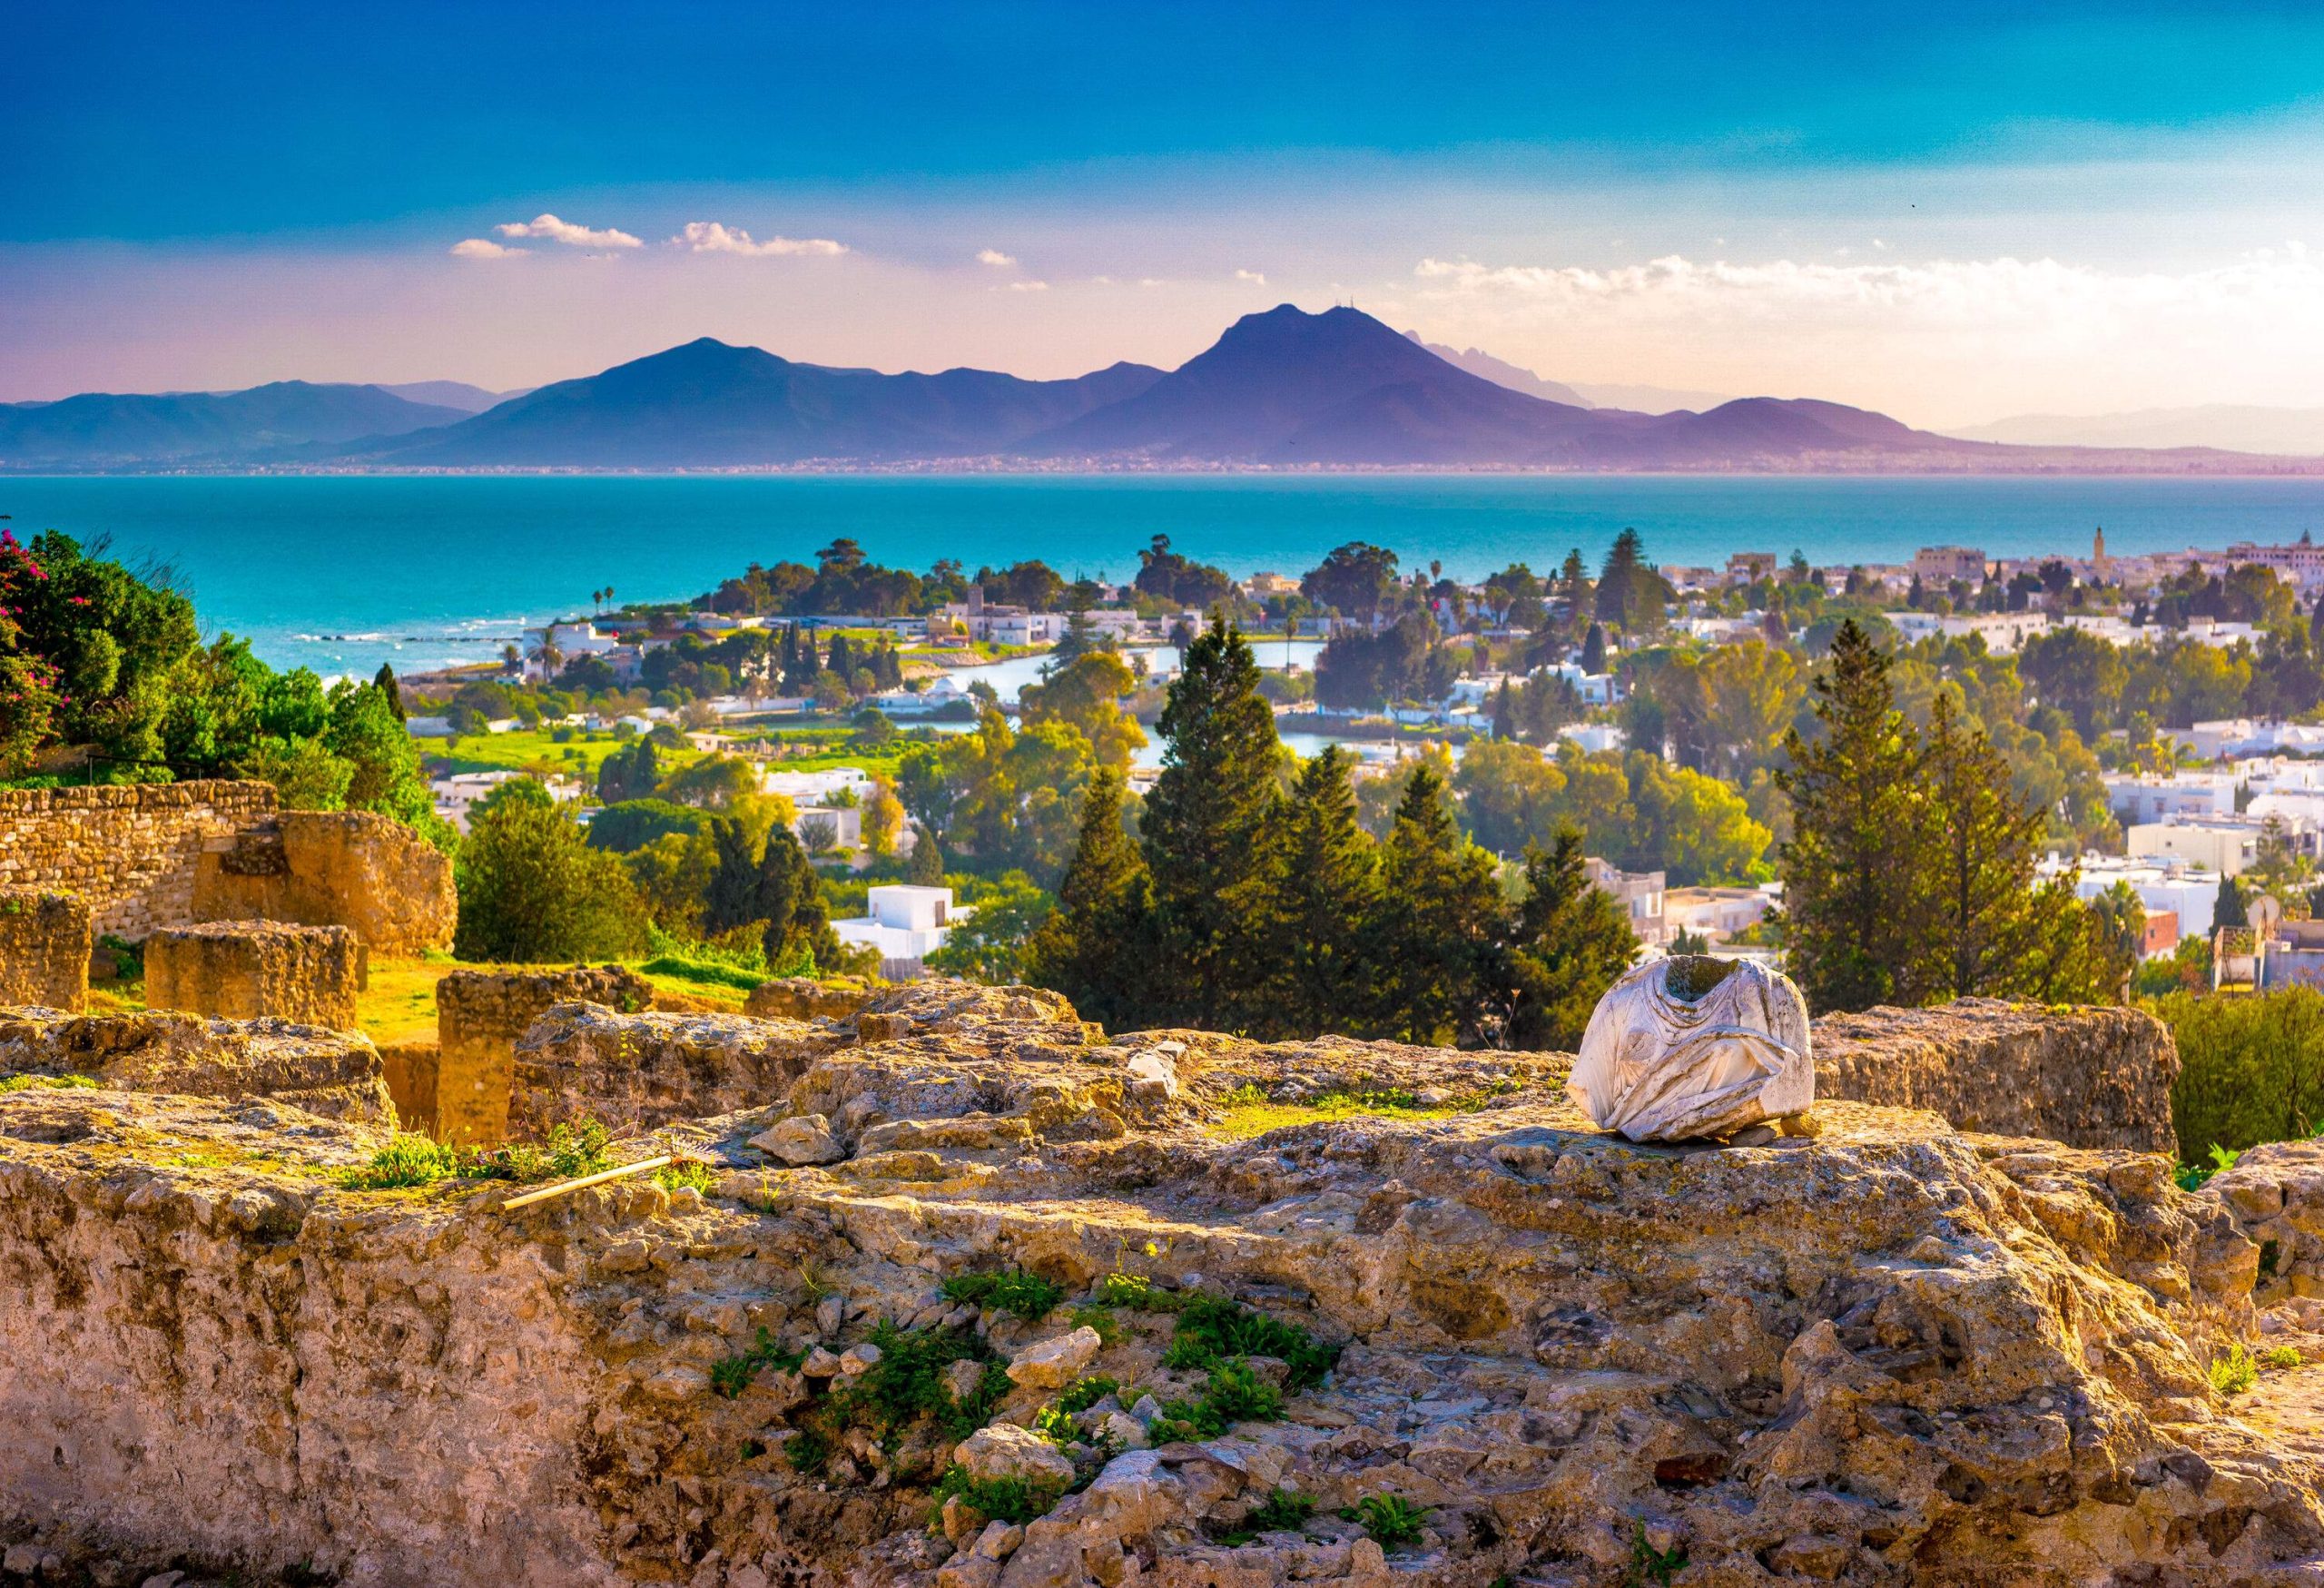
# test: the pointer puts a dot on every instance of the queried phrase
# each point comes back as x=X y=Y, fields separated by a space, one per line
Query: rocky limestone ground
x=984 y=1299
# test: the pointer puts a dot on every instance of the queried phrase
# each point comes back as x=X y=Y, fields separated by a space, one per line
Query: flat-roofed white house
x=905 y=924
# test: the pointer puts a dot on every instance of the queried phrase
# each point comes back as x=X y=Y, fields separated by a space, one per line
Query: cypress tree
x=731 y=898
x=842 y=660
x=1505 y=715
x=384 y=681
x=1435 y=938
x=1617 y=582
x=1325 y=886
x=925 y=869
x=787 y=893
x=1593 y=649
x=1854 y=867
x=1204 y=828
x=1092 y=947
x=1568 y=944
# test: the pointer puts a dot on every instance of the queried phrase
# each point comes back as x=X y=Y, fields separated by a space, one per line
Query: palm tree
x=547 y=654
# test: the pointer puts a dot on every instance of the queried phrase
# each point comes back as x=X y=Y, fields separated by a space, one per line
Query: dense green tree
x=633 y=823
x=1850 y=883
x=925 y=866
x=1355 y=580
x=1093 y=947
x=630 y=772
x=989 y=946
x=1593 y=650
x=384 y=681
x=1204 y=825
x=387 y=778
x=1086 y=692
x=1435 y=939
x=789 y=898
x=532 y=891
x=1324 y=887
x=1568 y=944
x=731 y=897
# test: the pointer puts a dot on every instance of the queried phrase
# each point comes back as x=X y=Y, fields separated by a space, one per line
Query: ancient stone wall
x=243 y=970
x=2085 y=1076
x=480 y=1014
x=45 y=942
x=130 y=851
x=583 y=1060
x=335 y=1074
x=805 y=998
x=332 y=868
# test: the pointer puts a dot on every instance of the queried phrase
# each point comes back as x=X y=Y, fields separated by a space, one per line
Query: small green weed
x=808 y=1451
x=1084 y=1393
x=409 y=1159
x=1235 y=1393
x=691 y=1174
x=1012 y=1500
x=1136 y=1292
x=2281 y=1357
x=1101 y=1318
x=1649 y=1564
x=1246 y=1096
x=909 y=1380
x=731 y=1377
x=47 y=1083
x=571 y=1151
x=2235 y=1372
x=2191 y=1177
x=1392 y=1519
x=1284 y=1511
x=1029 y=1295
x=1212 y=1328
x=1056 y=1424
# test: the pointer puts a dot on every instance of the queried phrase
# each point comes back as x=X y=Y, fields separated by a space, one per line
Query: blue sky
x=1868 y=202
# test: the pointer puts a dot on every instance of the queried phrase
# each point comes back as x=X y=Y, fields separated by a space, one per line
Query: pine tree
x=1853 y=869
x=1434 y=941
x=731 y=896
x=1573 y=592
x=1092 y=947
x=1326 y=887
x=1568 y=944
x=1617 y=582
x=787 y=893
x=384 y=681
x=1204 y=828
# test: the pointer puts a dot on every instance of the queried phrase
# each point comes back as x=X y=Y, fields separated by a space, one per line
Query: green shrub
x=1012 y=1500
x=2281 y=1357
x=1084 y=1393
x=1649 y=1564
x=2235 y=1372
x=2250 y=1069
x=409 y=1159
x=47 y=1083
x=1100 y=1318
x=1136 y=1292
x=808 y=1451
x=2193 y=1177
x=1212 y=1328
x=128 y=958
x=570 y=1152
x=1056 y=1424
x=1284 y=1511
x=685 y=1174
x=1392 y=1519
x=731 y=1377
x=1029 y=1295
x=908 y=1380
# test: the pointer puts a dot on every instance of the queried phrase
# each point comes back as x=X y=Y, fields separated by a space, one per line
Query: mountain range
x=1279 y=389
x=2240 y=428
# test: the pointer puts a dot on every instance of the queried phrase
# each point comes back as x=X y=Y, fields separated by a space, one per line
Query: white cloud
x=711 y=237
x=1254 y=277
x=993 y=256
x=485 y=248
x=1947 y=337
x=551 y=229
x=1029 y=286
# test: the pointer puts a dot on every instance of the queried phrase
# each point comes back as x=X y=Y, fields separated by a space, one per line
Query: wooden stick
x=599 y=1178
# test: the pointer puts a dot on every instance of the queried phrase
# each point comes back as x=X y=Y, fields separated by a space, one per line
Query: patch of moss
x=47 y=1084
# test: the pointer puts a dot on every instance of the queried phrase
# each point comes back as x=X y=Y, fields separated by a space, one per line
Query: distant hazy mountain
x=1649 y=398
x=456 y=394
x=1483 y=364
x=2291 y=432
x=710 y=405
x=102 y=430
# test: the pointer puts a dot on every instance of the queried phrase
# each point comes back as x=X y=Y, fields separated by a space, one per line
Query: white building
x=2145 y=797
x=1594 y=737
x=458 y=795
x=840 y=827
x=2302 y=562
x=2226 y=844
x=1640 y=893
x=905 y=924
x=816 y=788
x=2189 y=891
x=1715 y=913
x=2003 y=632
x=568 y=640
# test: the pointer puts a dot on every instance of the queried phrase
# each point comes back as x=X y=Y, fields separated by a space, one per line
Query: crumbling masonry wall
x=131 y=850
x=244 y=970
x=2085 y=1076
x=480 y=1015
x=332 y=868
x=45 y=942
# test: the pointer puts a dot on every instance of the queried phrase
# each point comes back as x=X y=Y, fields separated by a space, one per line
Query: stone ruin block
x=646 y=1069
x=2086 y=1077
x=335 y=1074
x=332 y=868
x=246 y=970
x=805 y=998
x=45 y=944
x=480 y=1015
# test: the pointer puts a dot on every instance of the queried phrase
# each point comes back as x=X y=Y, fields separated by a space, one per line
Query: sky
x=1951 y=213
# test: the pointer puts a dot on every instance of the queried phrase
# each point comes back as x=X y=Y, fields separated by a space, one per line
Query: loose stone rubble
x=1887 y=1352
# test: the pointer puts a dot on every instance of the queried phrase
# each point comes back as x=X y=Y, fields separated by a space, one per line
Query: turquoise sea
x=339 y=572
